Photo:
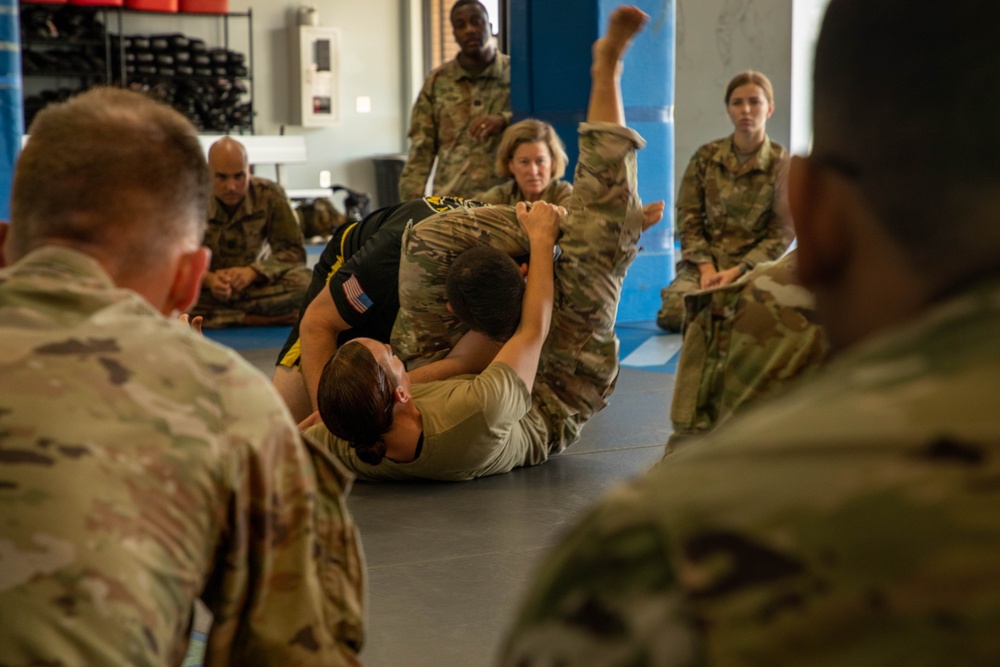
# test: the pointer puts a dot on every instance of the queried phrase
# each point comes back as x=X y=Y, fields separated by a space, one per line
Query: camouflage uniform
x=141 y=466
x=579 y=361
x=449 y=100
x=728 y=214
x=744 y=341
x=263 y=233
x=558 y=192
x=853 y=521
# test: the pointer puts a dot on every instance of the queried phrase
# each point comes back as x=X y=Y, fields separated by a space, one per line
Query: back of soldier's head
x=109 y=169
x=906 y=104
x=485 y=290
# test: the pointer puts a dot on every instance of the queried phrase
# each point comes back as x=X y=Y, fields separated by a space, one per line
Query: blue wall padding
x=11 y=114
x=550 y=42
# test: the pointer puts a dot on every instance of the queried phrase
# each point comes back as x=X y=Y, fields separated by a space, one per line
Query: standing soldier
x=460 y=113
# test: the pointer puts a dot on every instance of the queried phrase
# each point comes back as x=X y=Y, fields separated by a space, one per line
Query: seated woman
x=533 y=398
x=533 y=159
x=728 y=213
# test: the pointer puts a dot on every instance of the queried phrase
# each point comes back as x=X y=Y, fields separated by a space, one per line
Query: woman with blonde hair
x=533 y=159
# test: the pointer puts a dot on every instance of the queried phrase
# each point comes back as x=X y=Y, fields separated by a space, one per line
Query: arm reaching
x=472 y=354
x=522 y=351
x=318 y=332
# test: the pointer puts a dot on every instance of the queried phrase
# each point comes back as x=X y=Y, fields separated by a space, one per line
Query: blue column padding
x=11 y=107
x=550 y=80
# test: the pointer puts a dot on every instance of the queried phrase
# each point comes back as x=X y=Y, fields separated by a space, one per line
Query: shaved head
x=227 y=159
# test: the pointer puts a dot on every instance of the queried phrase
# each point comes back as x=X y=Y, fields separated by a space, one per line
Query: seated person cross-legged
x=258 y=274
x=534 y=397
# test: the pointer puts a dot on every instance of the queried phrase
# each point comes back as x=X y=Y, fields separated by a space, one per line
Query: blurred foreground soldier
x=258 y=274
x=743 y=342
x=856 y=520
x=141 y=465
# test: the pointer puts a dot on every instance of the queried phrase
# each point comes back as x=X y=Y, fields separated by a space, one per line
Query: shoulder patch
x=356 y=296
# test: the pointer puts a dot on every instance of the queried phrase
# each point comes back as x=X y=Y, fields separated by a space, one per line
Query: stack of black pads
x=204 y=84
x=58 y=43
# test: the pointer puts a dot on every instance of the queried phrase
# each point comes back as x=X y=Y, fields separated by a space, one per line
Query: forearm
x=318 y=347
x=536 y=309
x=471 y=355
x=318 y=333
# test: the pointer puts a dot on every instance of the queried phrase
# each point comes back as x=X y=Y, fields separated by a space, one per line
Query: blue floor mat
x=250 y=338
x=643 y=344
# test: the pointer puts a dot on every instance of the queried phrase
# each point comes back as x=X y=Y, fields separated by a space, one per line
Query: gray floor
x=448 y=563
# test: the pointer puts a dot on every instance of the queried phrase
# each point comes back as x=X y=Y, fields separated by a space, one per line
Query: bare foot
x=625 y=22
x=652 y=213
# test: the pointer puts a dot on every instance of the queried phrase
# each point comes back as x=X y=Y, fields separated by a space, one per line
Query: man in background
x=258 y=274
x=460 y=113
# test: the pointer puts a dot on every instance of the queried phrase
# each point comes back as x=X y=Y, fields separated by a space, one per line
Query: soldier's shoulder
x=265 y=187
x=445 y=74
x=713 y=151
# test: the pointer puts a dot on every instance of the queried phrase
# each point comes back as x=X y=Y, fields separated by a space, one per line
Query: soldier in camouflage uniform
x=141 y=465
x=855 y=520
x=460 y=113
x=729 y=213
x=579 y=359
x=258 y=274
x=742 y=342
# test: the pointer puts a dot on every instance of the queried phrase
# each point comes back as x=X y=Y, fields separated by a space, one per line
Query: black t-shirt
x=360 y=267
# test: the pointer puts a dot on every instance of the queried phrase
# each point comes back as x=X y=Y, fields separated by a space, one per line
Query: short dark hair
x=109 y=167
x=462 y=3
x=355 y=399
x=485 y=290
x=904 y=105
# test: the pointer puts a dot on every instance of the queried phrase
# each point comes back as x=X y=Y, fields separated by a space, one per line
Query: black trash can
x=387 y=171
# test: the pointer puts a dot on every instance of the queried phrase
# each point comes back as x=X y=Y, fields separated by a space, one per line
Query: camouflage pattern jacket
x=728 y=213
x=854 y=521
x=448 y=101
x=742 y=342
x=143 y=466
x=557 y=192
x=263 y=232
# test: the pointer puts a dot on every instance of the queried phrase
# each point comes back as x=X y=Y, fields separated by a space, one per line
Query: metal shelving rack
x=118 y=14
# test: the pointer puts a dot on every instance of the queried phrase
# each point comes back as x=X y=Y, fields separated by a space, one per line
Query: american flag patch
x=356 y=295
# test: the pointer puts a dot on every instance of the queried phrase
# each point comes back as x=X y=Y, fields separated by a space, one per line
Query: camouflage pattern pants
x=579 y=362
x=275 y=299
x=671 y=315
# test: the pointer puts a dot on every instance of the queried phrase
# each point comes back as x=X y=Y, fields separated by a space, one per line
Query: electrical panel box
x=315 y=80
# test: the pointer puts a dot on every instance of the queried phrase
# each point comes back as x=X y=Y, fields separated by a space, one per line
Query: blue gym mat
x=643 y=345
x=250 y=338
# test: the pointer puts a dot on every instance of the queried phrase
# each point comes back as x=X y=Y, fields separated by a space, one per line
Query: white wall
x=807 y=16
x=372 y=43
x=370 y=65
x=715 y=40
